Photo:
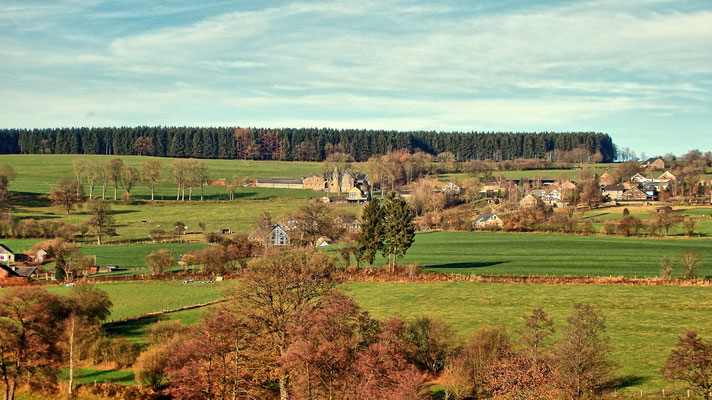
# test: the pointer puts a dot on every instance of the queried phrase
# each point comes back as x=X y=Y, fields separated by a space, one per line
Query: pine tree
x=370 y=239
x=399 y=230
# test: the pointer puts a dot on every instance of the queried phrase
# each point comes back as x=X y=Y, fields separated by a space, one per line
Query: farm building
x=530 y=201
x=6 y=255
x=486 y=221
x=275 y=235
x=40 y=256
x=654 y=163
x=314 y=182
x=634 y=194
x=280 y=183
x=614 y=192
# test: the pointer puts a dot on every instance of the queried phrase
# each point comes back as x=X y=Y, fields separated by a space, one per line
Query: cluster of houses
x=355 y=185
x=12 y=266
x=639 y=188
x=280 y=234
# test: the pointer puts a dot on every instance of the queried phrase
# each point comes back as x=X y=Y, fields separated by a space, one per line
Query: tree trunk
x=71 y=355
x=91 y=191
x=152 y=190
x=283 y=394
x=116 y=190
x=98 y=239
x=103 y=191
x=190 y=193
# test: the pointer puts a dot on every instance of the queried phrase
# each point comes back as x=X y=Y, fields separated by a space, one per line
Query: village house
x=357 y=195
x=349 y=223
x=323 y=241
x=607 y=179
x=487 y=221
x=634 y=194
x=567 y=186
x=314 y=182
x=451 y=189
x=613 y=192
x=654 y=163
x=280 y=183
x=530 y=201
x=40 y=256
x=667 y=176
x=491 y=189
x=638 y=178
x=6 y=255
x=275 y=235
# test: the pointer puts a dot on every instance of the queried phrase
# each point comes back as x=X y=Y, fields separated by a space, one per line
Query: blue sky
x=638 y=70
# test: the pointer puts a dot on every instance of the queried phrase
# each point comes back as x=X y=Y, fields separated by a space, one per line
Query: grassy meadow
x=643 y=322
x=132 y=299
x=549 y=254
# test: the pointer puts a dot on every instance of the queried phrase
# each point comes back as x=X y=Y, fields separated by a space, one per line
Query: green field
x=643 y=322
x=549 y=254
x=38 y=173
x=132 y=299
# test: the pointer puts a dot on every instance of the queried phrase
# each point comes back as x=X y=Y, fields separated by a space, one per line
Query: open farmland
x=549 y=254
x=39 y=173
x=642 y=322
x=132 y=299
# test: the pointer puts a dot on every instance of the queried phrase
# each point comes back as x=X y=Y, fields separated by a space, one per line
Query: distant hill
x=294 y=144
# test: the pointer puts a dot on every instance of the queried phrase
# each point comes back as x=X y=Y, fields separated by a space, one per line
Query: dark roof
x=7 y=249
x=485 y=217
x=10 y=272
x=25 y=272
x=279 y=180
x=613 y=188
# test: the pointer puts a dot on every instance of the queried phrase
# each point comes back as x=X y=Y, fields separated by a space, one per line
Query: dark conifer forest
x=294 y=144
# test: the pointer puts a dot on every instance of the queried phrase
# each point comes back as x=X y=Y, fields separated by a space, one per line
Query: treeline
x=296 y=144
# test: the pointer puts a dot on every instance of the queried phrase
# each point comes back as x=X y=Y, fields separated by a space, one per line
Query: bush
x=119 y=351
x=691 y=263
x=150 y=366
x=430 y=342
x=666 y=265
x=212 y=237
x=164 y=331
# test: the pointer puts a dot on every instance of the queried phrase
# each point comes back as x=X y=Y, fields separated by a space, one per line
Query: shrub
x=691 y=263
x=430 y=342
x=666 y=265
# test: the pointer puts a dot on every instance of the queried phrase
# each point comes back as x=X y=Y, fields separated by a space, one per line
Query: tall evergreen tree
x=370 y=239
x=399 y=230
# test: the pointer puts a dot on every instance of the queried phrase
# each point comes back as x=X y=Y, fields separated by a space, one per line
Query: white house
x=276 y=235
x=486 y=221
x=6 y=255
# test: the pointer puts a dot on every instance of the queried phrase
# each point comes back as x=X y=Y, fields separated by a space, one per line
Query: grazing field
x=549 y=254
x=132 y=299
x=38 y=173
x=642 y=322
x=648 y=214
x=236 y=215
x=133 y=256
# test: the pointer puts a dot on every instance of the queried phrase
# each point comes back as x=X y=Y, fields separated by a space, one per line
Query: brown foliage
x=691 y=362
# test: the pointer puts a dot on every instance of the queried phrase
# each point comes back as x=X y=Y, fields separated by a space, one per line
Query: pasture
x=132 y=299
x=549 y=254
x=643 y=322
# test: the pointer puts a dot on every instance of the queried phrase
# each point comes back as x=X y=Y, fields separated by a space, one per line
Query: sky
x=639 y=70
